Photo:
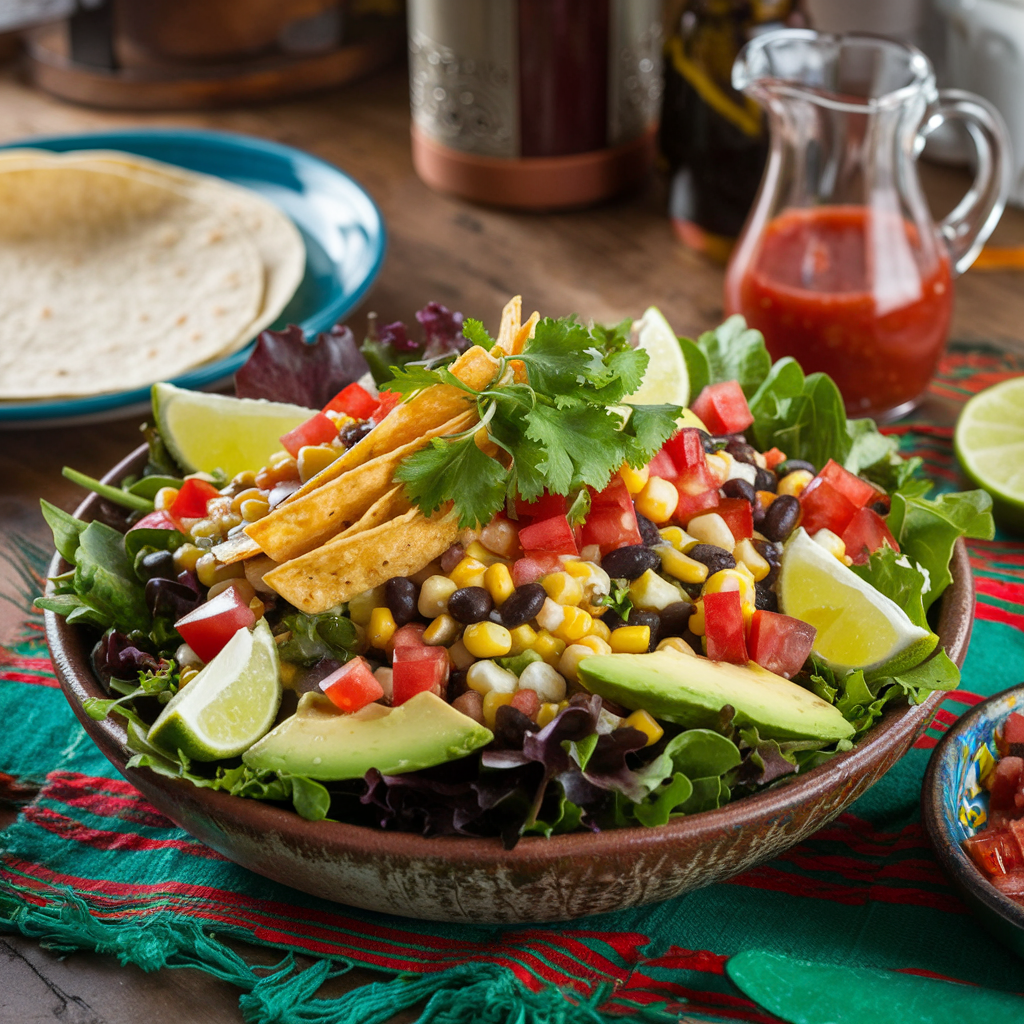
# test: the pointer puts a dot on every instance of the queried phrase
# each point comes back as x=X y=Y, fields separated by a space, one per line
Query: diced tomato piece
x=410 y=635
x=162 y=520
x=192 y=498
x=773 y=457
x=779 y=643
x=526 y=701
x=723 y=408
x=691 y=505
x=354 y=401
x=615 y=495
x=534 y=566
x=318 y=429
x=544 y=507
x=1006 y=782
x=995 y=851
x=611 y=522
x=352 y=686
x=825 y=508
x=1013 y=734
x=663 y=466
x=208 y=629
x=738 y=515
x=858 y=491
x=417 y=669
x=723 y=627
x=686 y=450
x=865 y=534
x=554 y=534
x=386 y=401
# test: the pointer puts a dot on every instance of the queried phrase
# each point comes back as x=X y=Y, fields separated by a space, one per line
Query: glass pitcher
x=840 y=263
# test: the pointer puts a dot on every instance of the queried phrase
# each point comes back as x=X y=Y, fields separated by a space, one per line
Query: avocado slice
x=691 y=691
x=321 y=742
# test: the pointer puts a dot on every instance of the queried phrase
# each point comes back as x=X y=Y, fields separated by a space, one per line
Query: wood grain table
x=606 y=263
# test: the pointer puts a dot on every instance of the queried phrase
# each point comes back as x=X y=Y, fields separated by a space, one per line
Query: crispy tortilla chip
x=429 y=409
x=236 y=549
x=295 y=527
x=347 y=566
x=511 y=318
x=524 y=334
x=388 y=506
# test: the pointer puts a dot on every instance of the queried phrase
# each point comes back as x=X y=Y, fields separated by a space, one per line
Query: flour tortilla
x=110 y=281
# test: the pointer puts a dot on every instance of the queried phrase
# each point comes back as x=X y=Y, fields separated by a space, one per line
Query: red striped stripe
x=993 y=613
x=1012 y=592
x=926 y=743
x=32 y=680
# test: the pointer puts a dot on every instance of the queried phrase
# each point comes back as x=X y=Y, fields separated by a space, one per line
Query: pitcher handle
x=967 y=227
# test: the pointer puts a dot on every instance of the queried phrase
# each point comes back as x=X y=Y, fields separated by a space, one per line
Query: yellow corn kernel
x=696 y=621
x=795 y=482
x=246 y=495
x=468 y=573
x=643 y=721
x=765 y=498
x=459 y=656
x=563 y=588
x=658 y=500
x=575 y=624
x=442 y=631
x=493 y=701
x=547 y=713
x=257 y=607
x=434 y=594
x=595 y=643
x=634 y=479
x=279 y=459
x=569 y=662
x=675 y=645
x=831 y=542
x=188 y=674
x=711 y=528
x=549 y=647
x=750 y=558
x=600 y=630
x=680 y=566
x=361 y=606
x=678 y=538
x=487 y=640
x=523 y=638
x=631 y=639
x=313 y=458
x=580 y=570
x=733 y=579
x=382 y=627
x=210 y=571
x=164 y=498
x=254 y=508
x=481 y=554
x=186 y=557
x=719 y=463
x=498 y=581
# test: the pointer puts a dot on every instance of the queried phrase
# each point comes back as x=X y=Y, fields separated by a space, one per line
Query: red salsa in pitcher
x=850 y=292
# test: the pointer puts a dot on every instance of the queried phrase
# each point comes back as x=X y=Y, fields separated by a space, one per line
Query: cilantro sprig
x=563 y=429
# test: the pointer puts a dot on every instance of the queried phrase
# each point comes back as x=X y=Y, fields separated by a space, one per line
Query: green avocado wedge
x=691 y=691
x=322 y=743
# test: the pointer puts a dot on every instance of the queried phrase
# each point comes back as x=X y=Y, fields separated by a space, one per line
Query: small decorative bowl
x=955 y=807
x=457 y=878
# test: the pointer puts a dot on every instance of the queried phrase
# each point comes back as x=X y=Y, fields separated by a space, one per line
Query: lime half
x=989 y=443
x=858 y=627
x=207 y=432
x=229 y=705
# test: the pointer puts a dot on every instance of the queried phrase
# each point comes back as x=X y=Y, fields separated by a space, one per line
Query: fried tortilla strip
x=236 y=549
x=347 y=566
x=410 y=420
x=295 y=527
x=511 y=318
x=388 y=506
x=524 y=334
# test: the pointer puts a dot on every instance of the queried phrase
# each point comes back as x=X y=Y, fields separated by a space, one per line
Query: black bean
x=717 y=444
x=781 y=518
x=401 y=596
x=630 y=563
x=158 y=565
x=613 y=620
x=650 y=619
x=708 y=443
x=457 y=684
x=767 y=550
x=352 y=433
x=737 y=488
x=470 y=604
x=675 y=618
x=714 y=557
x=881 y=506
x=741 y=452
x=522 y=606
x=648 y=531
x=764 y=598
x=791 y=465
x=766 y=480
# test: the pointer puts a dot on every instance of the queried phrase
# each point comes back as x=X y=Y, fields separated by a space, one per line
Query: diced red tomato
x=417 y=669
x=723 y=627
x=773 y=457
x=825 y=508
x=352 y=686
x=1006 y=783
x=996 y=852
x=723 y=408
x=738 y=515
x=865 y=534
x=685 y=449
x=663 y=466
x=410 y=635
x=779 y=643
x=354 y=401
x=526 y=701
x=192 y=498
x=544 y=507
x=611 y=522
x=318 y=429
x=162 y=520
x=534 y=566
x=386 y=401
x=858 y=491
x=691 y=505
x=208 y=629
x=1013 y=735
x=615 y=495
x=554 y=534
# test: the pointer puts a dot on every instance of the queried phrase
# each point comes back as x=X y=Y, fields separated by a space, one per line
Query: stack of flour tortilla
x=117 y=271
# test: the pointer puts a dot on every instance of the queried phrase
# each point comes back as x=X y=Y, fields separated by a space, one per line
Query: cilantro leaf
x=624 y=371
x=580 y=507
x=414 y=377
x=555 y=357
x=652 y=426
x=581 y=445
x=475 y=331
x=612 y=339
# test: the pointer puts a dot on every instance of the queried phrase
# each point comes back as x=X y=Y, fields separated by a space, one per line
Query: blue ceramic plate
x=340 y=224
x=954 y=807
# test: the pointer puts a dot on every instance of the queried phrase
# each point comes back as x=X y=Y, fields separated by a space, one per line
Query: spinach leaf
x=106 y=581
x=773 y=400
x=895 y=576
x=697 y=368
x=146 y=537
x=67 y=530
x=735 y=352
x=328 y=635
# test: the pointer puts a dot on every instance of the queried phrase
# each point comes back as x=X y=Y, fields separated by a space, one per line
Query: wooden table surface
x=605 y=263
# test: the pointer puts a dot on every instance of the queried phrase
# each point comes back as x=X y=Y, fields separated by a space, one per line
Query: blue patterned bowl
x=954 y=807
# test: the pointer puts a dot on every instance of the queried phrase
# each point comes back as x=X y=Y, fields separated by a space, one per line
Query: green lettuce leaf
x=734 y=352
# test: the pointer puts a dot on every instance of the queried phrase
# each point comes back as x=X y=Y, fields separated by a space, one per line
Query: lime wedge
x=229 y=705
x=858 y=627
x=989 y=443
x=207 y=432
